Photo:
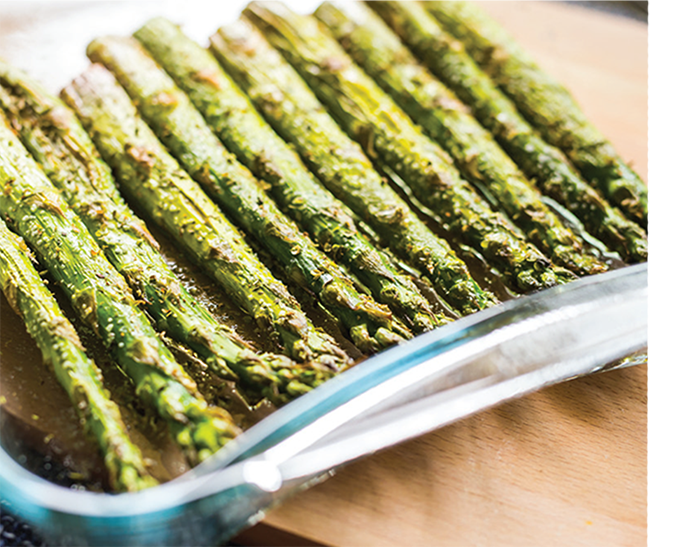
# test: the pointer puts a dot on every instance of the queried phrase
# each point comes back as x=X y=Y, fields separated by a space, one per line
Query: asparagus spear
x=338 y=161
x=152 y=178
x=546 y=104
x=327 y=220
x=60 y=145
x=181 y=127
x=376 y=49
x=76 y=372
x=390 y=137
x=103 y=300
x=540 y=161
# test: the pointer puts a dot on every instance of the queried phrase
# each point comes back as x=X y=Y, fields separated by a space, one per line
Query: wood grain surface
x=565 y=466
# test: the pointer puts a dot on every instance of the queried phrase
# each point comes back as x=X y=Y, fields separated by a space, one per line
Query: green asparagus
x=390 y=137
x=76 y=372
x=101 y=298
x=540 y=161
x=546 y=104
x=180 y=126
x=54 y=136
x=338 y=161
x=326 y=219
x=149 y=176
x=376 y=49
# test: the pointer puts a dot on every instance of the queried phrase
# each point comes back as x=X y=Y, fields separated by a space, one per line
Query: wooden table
x=565 y=466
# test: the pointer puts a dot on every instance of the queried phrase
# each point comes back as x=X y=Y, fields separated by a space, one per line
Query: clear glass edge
x=148 y=517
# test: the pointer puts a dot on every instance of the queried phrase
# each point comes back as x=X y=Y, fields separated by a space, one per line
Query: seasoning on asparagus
x=62 y=350
x=546 y=104
x=149 y=176
x=377 y=50
x=54 y=136
x=338 y=161
x=387 y=134
x=327 y=220
x=101 y=298
x=537 y=159
x=182 y=129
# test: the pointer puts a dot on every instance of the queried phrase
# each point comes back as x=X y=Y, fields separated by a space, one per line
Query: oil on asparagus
x=241 y=129
x=151 y=177
x=63 y=352
x=338 y=161
x=546 y=104
x=57 y=141
x=389 y=136
x=540 y=161
x=376 y=49
x=35 y=209
x=180 y=126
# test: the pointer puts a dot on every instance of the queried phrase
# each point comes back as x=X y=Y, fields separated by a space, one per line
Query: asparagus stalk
x=537 y=159
x=389 y=136
x=54 y=136
x=376 y=49
x=327 y=220
x=152 y=178
x=103 y=300
x=338 y=161
x=546 y=104
x=62 y=350
x=180 y=126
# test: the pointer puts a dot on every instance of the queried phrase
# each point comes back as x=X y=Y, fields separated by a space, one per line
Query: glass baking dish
x=472 y=364
x=439 y=377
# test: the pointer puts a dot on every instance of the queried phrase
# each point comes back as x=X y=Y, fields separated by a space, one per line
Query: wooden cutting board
x=565 y=466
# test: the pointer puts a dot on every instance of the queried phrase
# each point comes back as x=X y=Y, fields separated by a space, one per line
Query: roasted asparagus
x=63 y=351
x=327 y=220
x=182 y=129
x=149 y=176
x=35 y=209
x=57 y=141
x=546 y=104
x=388 y=135
x=543 y=163
x=433 y=106
x=339 y=162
